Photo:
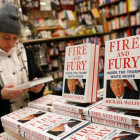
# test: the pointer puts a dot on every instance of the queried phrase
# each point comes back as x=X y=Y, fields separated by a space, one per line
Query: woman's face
x=7 y=41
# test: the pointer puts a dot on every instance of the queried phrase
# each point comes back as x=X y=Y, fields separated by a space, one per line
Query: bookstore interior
x=69 y=69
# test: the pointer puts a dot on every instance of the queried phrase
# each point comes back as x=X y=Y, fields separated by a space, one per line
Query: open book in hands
x=34 y=83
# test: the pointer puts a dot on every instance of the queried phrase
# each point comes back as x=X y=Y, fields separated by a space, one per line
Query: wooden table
x=14 y=134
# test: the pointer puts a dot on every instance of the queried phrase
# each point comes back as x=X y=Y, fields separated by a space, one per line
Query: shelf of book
x=120 y=29
x=49 y=28
x=135 y=26
x=110 y=3
x=134 y=11
x=63 y=38
x=116 y=16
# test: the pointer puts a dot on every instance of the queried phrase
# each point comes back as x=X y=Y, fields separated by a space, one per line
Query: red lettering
x=111 y=46
x=125 y=44
x=135 y=42
x=126 y=62
x=84 y=50
x=135 y=61
x=78 y=50
x=69 y=51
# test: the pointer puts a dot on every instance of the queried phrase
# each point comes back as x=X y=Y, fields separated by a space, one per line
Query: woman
x=17 y=64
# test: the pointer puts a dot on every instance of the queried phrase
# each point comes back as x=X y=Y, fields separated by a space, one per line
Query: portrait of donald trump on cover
x=123 y=89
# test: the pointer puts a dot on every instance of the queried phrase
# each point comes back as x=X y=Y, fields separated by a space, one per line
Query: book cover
x=72 y=106
x=5 y=136
x=81 y=73
x=122 y=73
x=53 y=126
x=131 y=128
x=101 y=132
x=34 y=82
x=125 y=116
x=44 y=103
x=21 y=117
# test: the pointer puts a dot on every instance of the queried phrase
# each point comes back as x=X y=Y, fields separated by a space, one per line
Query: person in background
x=17 y=64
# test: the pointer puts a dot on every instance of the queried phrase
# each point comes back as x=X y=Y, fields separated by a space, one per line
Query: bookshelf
x=49 y=28
x=63 y=38
x=107 y=4
x=122 y=17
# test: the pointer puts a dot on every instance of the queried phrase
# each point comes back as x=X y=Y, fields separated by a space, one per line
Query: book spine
x=114 y=124
x=36 y=133
x=23 y=86
x=13 y=129
x=65 y=108
x=30 y=137
x=8 y=121
x=112 y=116
x=70 y=114
x=37 y=106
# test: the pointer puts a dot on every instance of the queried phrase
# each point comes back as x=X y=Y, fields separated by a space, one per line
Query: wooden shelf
x=135 y=26
x=134 y=11
x=120 y=29
x=116 y=16
x=110 y=3
x=49 y=28
x=63 y=38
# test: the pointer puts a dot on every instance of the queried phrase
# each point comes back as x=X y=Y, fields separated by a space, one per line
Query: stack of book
x=82 y=113
x=80 y=82
x=35 y=124
x=71 y=109
x=100 y=132
x=44 y=103
x=5 y=136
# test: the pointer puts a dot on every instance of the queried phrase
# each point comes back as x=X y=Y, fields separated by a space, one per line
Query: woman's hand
x=8 y=93
x=36 y=89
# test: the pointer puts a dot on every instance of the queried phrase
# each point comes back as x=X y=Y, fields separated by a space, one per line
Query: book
x=53 y=126
x=73 y=106
x=125 y=116
x=13 y=129
x=21 y=117
x=121 y=75
x=131 y=128
x=80 y=82
x=69 y=114
x=34 y=83
x=6 y=136
x=44 y=103
x=28 y=136
x=101 y=132
x=20 y=133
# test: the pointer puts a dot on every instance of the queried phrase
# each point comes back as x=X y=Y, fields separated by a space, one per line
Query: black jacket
x=128 y=94
x=33 y=71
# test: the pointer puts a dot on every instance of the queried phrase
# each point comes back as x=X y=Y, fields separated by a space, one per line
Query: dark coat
x=128 y=94
x=79 y=90
x=34 y=71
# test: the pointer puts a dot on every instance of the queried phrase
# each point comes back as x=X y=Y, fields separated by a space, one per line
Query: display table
x=14 y=134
